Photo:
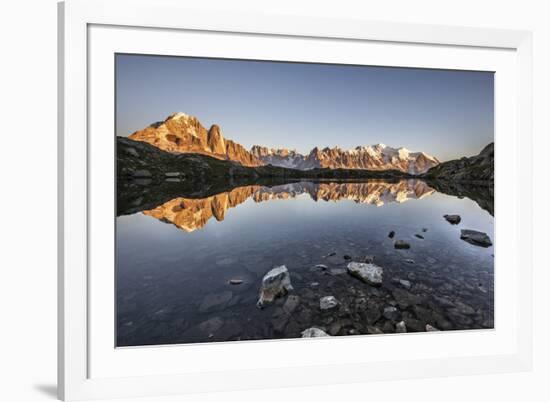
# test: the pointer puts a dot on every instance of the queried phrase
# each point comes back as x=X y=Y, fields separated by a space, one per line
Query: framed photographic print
x=254 y=200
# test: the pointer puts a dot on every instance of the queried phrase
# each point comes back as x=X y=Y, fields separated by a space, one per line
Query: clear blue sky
x=445 y=113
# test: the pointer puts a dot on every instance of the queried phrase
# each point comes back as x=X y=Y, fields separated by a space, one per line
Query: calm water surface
x=175 y=261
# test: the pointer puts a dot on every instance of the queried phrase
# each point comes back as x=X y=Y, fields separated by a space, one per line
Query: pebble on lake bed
x=369 y=259
x=391 y=234
x=453 y=219
x=405 y=283
x=400 y=327
x=391 y=313
x=401 y=245
x=235 y=281
x=314 y=332
x=328 y=302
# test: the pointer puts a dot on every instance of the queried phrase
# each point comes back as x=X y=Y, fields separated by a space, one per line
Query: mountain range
x=181 y=133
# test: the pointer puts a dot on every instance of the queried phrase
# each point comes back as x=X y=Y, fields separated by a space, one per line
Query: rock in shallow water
x=391 y=313
x=401 y=245
x=369 y=259
x=453 y=219
x=429 y=328
x=368 y=273
x=235 y=281
x=313 y=333
x=391 y=234
x=328 y=302
x=275 y=283
x=400 y=327
x=476 y=238
x=405 y=283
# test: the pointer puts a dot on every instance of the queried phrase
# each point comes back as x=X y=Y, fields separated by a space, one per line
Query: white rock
x=405 y=283
x=313 y=333
x=400 y=327
x=369 y=273
x=429 y=328
x=274 y=284
x=328 y=302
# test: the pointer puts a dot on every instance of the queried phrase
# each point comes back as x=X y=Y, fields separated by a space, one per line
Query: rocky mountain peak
x=216 y=142
x=182 y=133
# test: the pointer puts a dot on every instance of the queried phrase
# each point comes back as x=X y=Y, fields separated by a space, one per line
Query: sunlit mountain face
x=182 y=133
x=191 y=214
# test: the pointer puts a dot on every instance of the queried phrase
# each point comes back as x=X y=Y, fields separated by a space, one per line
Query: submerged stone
x=368 y=273
x=476 y=238
x=328 y=302
x=400 y=327
x=275 y=283
x=453 y=219
x=405 y=283
x=313 y=332
x=369 y=259
x=401 y=245
x=391 y=313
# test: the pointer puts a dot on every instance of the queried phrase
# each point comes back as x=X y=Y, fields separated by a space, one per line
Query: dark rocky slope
x=478 y=169
x=137 y=159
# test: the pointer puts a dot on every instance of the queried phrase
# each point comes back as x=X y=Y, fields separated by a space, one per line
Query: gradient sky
x=448 y=114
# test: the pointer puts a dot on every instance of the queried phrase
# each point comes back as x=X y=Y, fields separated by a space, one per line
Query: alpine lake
x=190 y=268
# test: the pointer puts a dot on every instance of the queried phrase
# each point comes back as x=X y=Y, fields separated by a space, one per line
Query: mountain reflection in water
x=191 y=214
x=198 y=278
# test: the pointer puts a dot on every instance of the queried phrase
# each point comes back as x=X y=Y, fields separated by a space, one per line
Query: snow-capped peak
x=178 y=115
x=375 y=157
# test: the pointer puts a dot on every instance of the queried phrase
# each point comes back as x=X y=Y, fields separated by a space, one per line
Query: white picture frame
x=91 y=31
